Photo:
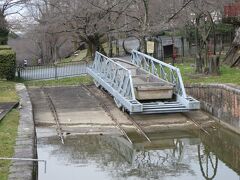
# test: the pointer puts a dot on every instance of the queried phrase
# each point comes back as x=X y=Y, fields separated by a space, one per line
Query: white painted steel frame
x=167 y=73
x=116 y=79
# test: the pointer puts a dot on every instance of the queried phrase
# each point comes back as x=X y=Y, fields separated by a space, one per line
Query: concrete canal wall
x=222 y=101
x=26 y=140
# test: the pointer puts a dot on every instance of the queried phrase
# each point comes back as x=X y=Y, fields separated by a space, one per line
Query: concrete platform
x=74 y=107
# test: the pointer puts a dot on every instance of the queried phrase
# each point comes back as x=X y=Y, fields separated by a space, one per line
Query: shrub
x=7 y=64
x=5 y=47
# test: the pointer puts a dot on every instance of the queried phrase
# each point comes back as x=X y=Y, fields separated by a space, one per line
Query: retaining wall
x=25 y=142
x=222 y=101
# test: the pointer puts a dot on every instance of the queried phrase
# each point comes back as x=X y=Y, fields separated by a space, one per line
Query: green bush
x=7 y=64
x=5 y=47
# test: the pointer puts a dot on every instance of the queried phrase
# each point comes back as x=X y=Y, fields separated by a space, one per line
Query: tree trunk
x=156 y=47
x=110 y=45
x=199 y=60
x=183 y=48
x=117 y=48
x=199 y=65
x=143 y=47
x=233 y=56
x=190 y=47
x=94 y=45
x=214 y=65
x=89 y=54
x=3 y=30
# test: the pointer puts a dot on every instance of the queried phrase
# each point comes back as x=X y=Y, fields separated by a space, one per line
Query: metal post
x=55 y=66
x=117 y=47
x=183 y=49
x=18 y=72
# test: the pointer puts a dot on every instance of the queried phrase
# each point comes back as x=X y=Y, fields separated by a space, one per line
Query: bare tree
x=203 y=15
x=78 y=20
x=48 y=33
x=96 y=21
x=8 y=7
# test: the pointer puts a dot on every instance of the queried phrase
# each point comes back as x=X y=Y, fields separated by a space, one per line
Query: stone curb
x=25 y=142
x=227 y=87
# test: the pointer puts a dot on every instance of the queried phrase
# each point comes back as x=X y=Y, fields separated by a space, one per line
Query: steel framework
x=117 y=80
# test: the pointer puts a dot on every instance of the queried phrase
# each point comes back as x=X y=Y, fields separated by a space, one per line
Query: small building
x=232 y=13
x=166 y=44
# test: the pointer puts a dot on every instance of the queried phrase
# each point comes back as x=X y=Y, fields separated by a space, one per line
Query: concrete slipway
x=94 y=146
x=81 y=112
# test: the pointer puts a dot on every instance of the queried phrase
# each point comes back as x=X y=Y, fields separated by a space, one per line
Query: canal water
x=172 y=155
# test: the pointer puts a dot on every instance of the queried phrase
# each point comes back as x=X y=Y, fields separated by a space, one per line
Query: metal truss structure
x=117 y=80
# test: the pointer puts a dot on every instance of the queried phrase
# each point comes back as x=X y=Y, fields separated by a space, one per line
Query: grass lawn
x=8 y=134
x=70 y=81
x=228 y=75
x=81 y=55
x=7 y=91
x=8 y=127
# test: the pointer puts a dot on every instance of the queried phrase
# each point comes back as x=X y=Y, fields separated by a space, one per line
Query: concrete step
x=163 y=107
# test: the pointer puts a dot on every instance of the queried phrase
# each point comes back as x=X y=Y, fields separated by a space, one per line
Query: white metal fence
x=52 y=71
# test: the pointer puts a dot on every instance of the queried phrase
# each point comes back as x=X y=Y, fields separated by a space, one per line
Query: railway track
x=55 y=114
x=139 y=129
x=106 y=109
x=196 y=123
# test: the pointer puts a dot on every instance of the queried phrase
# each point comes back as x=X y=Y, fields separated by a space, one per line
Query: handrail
x=158 y=68
x=109 y=59
x=153 y=59
x=119 y=77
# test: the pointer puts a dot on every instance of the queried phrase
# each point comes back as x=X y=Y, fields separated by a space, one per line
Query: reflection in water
x=225 y=145
x=168 y=156
x=211 y=163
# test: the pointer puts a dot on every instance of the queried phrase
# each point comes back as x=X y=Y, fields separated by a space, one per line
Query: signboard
x=150 y=47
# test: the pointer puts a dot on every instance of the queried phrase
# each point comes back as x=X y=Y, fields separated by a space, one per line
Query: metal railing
x=52 y=71
x=117 y=76
x=161 y=70
x=117 y=80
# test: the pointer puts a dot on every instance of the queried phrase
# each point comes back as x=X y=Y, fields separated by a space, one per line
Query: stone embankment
x=222 y=101
x=25 y=142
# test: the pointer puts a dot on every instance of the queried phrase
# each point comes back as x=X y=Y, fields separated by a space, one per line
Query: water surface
x=178 y=155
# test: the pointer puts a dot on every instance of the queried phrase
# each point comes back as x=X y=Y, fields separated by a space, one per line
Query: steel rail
x=195 y=123
x=104 y=106
x=139 y=129
x=55 y=115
